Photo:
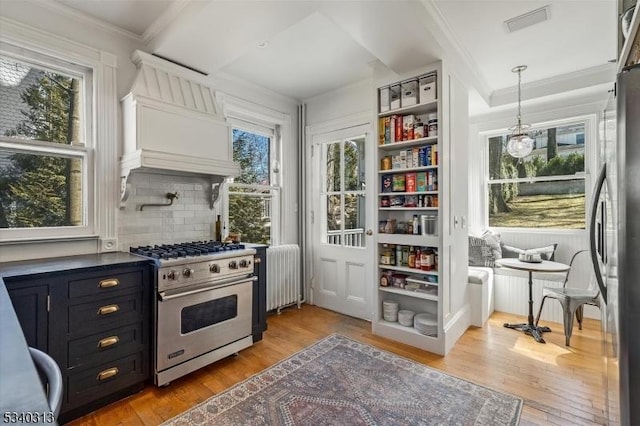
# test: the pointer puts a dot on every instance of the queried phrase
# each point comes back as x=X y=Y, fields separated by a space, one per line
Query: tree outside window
x=40 y=184
x=252 y=195
x=546 y=189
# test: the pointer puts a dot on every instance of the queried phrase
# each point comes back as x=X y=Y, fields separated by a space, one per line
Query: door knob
x=369 y=232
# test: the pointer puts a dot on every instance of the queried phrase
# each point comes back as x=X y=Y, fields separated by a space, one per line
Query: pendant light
x=520 y=144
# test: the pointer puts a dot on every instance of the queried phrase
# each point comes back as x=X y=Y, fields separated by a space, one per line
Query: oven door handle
x=164 y=297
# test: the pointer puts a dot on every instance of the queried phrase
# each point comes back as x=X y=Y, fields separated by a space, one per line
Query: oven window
x=196 y=317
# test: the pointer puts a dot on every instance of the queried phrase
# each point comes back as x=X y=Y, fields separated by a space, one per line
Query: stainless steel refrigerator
x=615 y=252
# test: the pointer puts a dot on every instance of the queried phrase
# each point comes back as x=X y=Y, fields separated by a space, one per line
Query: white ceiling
x=130 y=15
x=316 y=46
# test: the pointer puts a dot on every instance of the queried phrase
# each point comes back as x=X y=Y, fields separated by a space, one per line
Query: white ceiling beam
x=589 y=77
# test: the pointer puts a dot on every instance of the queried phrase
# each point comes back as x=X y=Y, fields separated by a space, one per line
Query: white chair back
x=581 y=275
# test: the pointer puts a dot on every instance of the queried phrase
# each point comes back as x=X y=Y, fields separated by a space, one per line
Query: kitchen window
x=253 y=197
x=45 y=151
x=546 y=189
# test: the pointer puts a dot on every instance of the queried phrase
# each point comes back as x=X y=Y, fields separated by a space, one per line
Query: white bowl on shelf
x=405 y=317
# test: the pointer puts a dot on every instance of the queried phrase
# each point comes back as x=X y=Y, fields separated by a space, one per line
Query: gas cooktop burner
x=175 y=251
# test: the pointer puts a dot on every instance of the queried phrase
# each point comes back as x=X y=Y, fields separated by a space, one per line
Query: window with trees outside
x=44 y=158
x=546 y=189
x=253 y=196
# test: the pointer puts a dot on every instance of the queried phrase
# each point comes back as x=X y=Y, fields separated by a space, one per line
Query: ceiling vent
x=528 y=19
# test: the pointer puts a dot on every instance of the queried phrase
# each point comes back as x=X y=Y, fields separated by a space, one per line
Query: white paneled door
x=341 y=222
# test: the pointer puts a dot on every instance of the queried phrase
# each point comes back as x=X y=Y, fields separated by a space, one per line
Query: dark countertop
x=56 y=264
x=20 y=387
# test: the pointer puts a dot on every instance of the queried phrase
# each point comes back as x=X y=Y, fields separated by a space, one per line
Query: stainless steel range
x=204 y=304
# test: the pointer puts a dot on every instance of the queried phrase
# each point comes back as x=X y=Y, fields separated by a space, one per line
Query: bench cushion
x=478 y=275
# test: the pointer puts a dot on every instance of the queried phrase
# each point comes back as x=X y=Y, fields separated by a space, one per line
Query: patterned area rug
x=338 y=381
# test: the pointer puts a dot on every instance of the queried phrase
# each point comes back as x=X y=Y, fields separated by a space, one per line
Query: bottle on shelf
x=387 y=255
x=412 y=258
x=405 y=255
x=416 y=225
x=399 y=255
x=426 y=260
x=418 y=262
x=218 y=235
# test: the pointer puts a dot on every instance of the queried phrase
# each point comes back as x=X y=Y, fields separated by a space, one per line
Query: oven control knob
x=188 y=272
x=214 y=269
x=233 y=265
x=171 y=275
x=244 y=263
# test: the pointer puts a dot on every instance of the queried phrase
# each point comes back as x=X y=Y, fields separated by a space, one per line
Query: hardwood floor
x=560 y=385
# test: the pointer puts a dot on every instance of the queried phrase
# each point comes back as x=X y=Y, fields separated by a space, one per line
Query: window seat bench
x=506 y=290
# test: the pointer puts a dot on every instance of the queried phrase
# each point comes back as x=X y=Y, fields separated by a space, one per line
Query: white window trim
x=257 y=119
x=590 y=150
x=102 y=141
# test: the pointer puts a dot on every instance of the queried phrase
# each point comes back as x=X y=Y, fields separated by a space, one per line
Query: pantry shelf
x=409 y=169
x=408 y=193
x=408 y=209
x=413 y=109
x=409 y=240
x=409 y=270
x=399 y=327
x=413 y=142
x=416 y=294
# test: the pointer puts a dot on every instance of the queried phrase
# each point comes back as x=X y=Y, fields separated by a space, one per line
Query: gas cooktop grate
x=175 y=251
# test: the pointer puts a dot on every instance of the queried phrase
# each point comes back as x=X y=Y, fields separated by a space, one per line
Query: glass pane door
x=343 y=192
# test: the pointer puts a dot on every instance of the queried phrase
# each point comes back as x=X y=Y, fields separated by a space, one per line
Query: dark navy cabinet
x=259 y=293
x=93 y=318
x=31 y=306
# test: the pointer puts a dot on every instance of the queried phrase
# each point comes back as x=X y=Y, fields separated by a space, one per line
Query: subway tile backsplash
x=188 y=219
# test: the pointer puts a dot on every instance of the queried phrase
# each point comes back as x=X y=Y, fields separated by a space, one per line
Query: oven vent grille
x=283 y=276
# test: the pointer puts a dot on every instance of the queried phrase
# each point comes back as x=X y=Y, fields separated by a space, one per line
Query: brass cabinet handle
x=109 y=309
x=110 y=282
x=257 y=260
x=108 y=341
x=109 y=372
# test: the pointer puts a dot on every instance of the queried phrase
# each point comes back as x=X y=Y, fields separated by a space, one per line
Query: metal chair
x=572 y=299
x=48 y=368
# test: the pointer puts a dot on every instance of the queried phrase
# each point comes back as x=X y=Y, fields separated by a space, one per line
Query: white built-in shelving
x=416 y=301
x=438 y=294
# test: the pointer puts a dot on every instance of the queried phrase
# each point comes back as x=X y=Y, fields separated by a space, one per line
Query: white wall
x=350 y=100
x=54 y=22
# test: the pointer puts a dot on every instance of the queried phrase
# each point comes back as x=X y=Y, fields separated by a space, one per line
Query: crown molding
x=85 y=18
x=19 y=34
x=163 y=21
x=455 y=53
x=576 y=80
x=571 y=104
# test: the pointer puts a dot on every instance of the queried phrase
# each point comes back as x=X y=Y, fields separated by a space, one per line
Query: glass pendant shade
x=519 y=145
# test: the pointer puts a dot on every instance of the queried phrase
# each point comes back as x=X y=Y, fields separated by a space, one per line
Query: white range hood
x=173 y=124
